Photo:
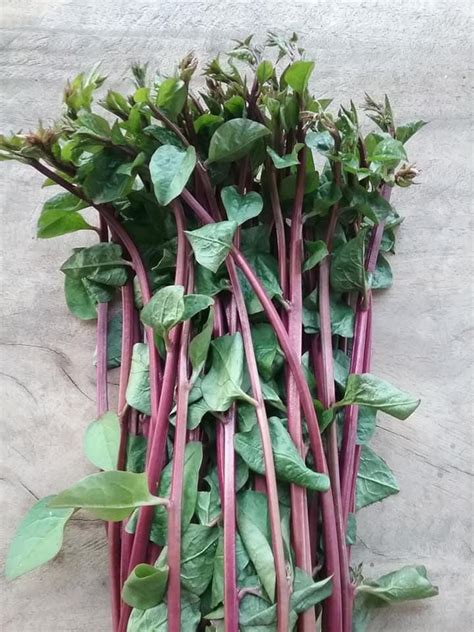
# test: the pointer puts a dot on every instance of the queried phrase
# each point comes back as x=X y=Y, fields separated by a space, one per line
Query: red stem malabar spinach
x=242 y=231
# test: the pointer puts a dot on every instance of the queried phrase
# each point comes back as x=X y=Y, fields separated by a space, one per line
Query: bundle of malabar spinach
x=243 y=230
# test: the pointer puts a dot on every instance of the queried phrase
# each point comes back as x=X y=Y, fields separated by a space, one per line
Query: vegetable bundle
x=243 y=231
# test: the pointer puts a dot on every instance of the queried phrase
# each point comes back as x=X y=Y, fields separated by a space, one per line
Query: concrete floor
x=416 y=51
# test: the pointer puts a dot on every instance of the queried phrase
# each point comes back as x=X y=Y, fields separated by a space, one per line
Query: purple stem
x=329 y=521
x=176 y=492
x=159 y=425
x=279 y=228
x=282 y=588
x=299 y=503
x=328 y=397
x=226 y=473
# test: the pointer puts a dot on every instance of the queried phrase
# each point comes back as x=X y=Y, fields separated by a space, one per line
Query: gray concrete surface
x=416 y=51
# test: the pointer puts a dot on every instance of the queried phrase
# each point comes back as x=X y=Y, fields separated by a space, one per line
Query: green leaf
x=59 y=216
x=289 y=465
x=65 y=202
x=102 y=440
x=241 y=208
x=365 y=424
x=138 y=387
x=264 y=71
x=198 y=550
x=211 y=243
x=351 y=531
x=165 y=309
x=388 y=151
x=252 y=520
x=370 y=203
x=192 y=464
x=90 y=123
x=172 y=95
x=268 y=353
x=114 y=341
x=297 y=75
x=195 y=303
x=109 y=495
x=235 y=139
x=266 y=268
x=288 y=160
x=101 y=263
x=375 y=481
x=145 y=587
x=382 y=277
x=169 y=306
x=170 y=169
x=347 y=268
x=323 y=142
x=78 y=299
x=199 y=346
x=317 y=250
x=406 y=584
x=342 y=315
x=38 y=538
x=156 y=619
x=209 y=283
x=222 y=385
x=108 y=177
x=136 y=453
x=405 y=132
x=307 y=593
x=368 y=390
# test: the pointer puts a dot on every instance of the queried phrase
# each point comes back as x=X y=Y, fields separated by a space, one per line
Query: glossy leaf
x=235 y=139
x=171 y=96
x=222 y=385
x=156 y=619
x=78 y=299
x=170 y=169
x=109 y=495
x=101 y=263
x=368 y=390
x=199 y=345
x=347 y=268
x=288 y=160
x=405 y=132
x=264 y=71
x=60 y=216
x=297 y=75
x=145 y=587
x=198 y=550
x=102 y=440
x=268 y=353
x=192 y=464
x=38 y=538
x=406 y=584
x=252 y=520
x=375 y=481
x=317 y=250
x=289 y=465
x=211 y=243
x=307 y=593
x=382 y=277
x=388 y=151
x=240 y=208
x=138 y=387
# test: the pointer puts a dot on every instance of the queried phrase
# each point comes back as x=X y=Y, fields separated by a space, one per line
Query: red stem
x=176 y=492
x=282 y=588
x=279 y=228
x=299 y=502
x=328 y=398
x=159 y=427
x=329 y=521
